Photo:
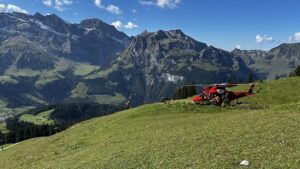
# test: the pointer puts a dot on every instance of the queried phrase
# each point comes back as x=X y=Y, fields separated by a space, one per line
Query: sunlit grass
x=264 y=129
x=3 y=128
x=42 y=118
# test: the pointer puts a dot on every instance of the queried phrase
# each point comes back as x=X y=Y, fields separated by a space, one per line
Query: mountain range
x=46 y=60
x=277 y=62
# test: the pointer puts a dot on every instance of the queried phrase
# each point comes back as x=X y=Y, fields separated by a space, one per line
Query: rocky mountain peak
x=53 y=18
x=63 y=39
x=252 y=53
x=38 y=15
x=177 y=32
x=92 y=23
x=167 y=40
x=236 y=50
x=160 y=34
x=54 y=22
x=286 y=50
x=102 y=27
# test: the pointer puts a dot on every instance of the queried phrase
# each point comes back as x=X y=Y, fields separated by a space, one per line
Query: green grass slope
x=3 y=128
x=42 y=118
x=264 y=130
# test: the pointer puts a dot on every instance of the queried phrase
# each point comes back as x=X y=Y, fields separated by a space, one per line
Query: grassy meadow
x=264 y=129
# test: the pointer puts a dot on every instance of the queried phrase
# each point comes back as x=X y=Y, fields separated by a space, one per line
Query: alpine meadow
x=148 y=84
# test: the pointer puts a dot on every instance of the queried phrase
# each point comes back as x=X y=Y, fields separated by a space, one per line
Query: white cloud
x=66 y=2
x=294 y=38
x=14 y=8
x=168 y=3
x=98 y=3
x=144 y=2
x=117 y=24
x=11 y=8
x=238 y=46
x=134 y=11
x=58 y=4
x=110 y=8
x=297 y=36
x=114 y=9
x=60 y=8
x=162 y=3
x=2 y=8
x=259 y=38
x=47 y=2
x=130 y=25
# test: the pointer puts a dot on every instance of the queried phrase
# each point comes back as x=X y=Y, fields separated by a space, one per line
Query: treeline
x=296 y=72
x=185 y=92
x=19 y=130
x=76 y=112
x=64 y=116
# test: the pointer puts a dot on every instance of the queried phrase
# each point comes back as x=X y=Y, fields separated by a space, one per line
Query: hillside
x=263 y=129
x=156 y=63
x=45 y=60
x=277 y=62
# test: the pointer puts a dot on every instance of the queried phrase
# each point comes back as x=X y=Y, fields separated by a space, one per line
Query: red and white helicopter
x=217 y=94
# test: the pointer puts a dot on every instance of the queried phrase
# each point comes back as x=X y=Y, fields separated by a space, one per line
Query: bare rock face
x=161 y=61
x=90 y=41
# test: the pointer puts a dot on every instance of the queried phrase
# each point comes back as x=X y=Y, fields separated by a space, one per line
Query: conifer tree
x=250 y=78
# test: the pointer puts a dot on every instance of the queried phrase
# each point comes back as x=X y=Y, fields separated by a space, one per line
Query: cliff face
x=155 y=63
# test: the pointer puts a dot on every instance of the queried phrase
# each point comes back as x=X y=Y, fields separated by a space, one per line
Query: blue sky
x=226 y=24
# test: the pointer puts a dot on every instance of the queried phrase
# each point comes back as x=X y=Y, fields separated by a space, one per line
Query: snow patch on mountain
x=43 y=26
x=87 y=30
x=14 y=17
